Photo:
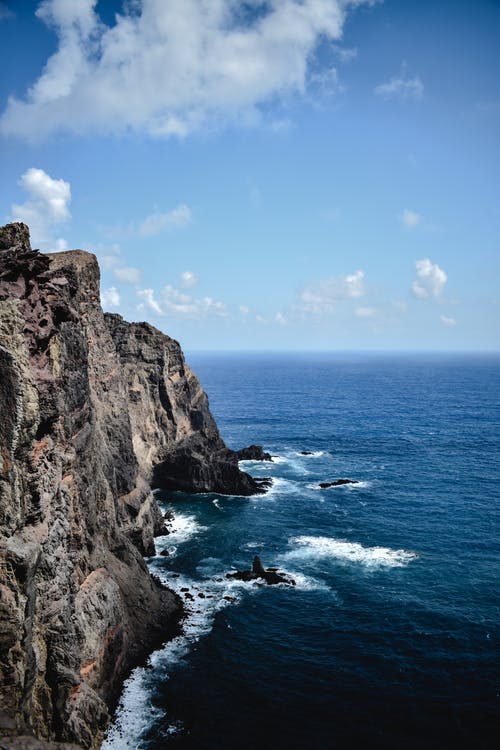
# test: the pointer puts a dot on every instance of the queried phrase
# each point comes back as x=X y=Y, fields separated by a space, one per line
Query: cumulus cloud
x=430 y=279
x=110 y=297
x=176 y=302
x=280 y=319
x=401 y=86
x=322 y=296
x=150 y=303
x=410 y=219
x=156 y=223
x=46 y=207
x=447 y=321
x=170 y=68
x=188 y=280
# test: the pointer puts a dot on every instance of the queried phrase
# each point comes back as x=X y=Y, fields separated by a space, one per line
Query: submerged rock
x=270 y=575
x=337 y=483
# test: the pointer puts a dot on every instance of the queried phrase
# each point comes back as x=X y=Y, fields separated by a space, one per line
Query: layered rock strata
x=78 y=607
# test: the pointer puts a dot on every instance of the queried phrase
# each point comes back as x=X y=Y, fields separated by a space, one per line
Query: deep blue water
x=390 y=637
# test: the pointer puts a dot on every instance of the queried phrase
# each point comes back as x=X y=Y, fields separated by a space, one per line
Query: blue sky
x=289 y=174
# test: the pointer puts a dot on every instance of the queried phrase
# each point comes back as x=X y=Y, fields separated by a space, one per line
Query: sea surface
x=390 y=637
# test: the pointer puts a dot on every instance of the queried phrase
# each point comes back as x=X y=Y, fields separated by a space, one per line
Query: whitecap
x=253 y=545
x=317 y=547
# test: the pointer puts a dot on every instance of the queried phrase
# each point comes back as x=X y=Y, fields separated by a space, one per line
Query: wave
x=360 y=485
x=317 y=547
x=181 y=529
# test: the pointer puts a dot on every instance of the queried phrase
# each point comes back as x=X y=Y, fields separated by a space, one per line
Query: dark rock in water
x=337 y=483
x=165 y=553
x=252 y=453
x=270 y=575
x=257 y=567
x=306 y=453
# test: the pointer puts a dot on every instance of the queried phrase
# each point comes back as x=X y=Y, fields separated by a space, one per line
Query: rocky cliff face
x=174 y=435
x=77 y=605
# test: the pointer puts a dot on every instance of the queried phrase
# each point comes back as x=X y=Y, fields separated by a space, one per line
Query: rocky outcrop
x=252 y=453
x=175 y=438
x=271 y=576
x=92 y=410
x=337 y=483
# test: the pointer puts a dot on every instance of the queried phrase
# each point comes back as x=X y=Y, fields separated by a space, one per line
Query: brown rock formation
x=77 y=605
x=175 y=437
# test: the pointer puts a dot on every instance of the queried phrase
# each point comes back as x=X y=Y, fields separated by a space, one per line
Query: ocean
x=389 y=639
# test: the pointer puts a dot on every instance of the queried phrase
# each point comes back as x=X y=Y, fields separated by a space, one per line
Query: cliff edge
x=92 y=411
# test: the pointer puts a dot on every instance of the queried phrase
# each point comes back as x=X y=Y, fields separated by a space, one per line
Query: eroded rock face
x=77 y=604
x=175 y=437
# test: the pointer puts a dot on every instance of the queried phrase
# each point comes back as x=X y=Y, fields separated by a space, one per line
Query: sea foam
x=317 y=547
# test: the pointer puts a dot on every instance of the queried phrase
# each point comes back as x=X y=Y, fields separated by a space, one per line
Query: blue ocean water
x=390 y=637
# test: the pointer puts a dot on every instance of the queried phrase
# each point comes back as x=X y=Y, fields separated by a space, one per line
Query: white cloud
x=179 y=303
x=157 y=222
x=322 y=296
x=244 y=309
x=366 y=312
x=447 y=321
x=128 y=274
x=174 y=301
x=280 y=319
x=46 y=207
x=170 y=68
x=430 y=279
x=149 y=301
x=410 y=219
x=401 y=86
x=188 y=280
x=110 y=297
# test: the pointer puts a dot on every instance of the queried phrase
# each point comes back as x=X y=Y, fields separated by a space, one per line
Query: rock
x=176 y=440
x=93 y=410
x=252 y=453
x=306 y=453
x=270 y=575
x=337 y=483
x=165 y=553
x=257 y=567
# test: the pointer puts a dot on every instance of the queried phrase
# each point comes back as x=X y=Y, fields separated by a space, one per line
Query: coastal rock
x=78 y=607
x=270 y=575
x=175 y=438
x=251 y=453
x=337 y=483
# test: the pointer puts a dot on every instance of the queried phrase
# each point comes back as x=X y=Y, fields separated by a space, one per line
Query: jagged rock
x=175 y=437
x=252 y=453
x=337 y=483
x=306 y=453
x=270 y=575
x=78 y=607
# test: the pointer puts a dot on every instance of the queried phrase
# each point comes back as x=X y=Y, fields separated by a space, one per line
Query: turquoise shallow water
x=390 y=637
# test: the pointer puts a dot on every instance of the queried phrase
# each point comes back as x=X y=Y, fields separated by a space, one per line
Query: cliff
x=92 y=410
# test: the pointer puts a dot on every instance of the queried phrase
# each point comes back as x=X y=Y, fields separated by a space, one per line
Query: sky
x=265 y=175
